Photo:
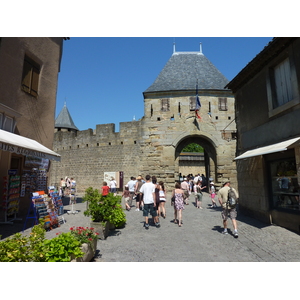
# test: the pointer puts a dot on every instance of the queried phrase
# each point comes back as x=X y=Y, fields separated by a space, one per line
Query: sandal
x=175 y=221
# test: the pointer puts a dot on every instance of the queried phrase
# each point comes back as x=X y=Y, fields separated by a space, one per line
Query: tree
x=193 y=147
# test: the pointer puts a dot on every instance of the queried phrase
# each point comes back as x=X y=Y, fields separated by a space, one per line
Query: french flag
x=198 y=104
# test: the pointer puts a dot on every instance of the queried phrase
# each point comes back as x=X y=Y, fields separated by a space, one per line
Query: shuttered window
x=283 y=83
x=223 y=104
x=165 y=104
x=30 y=77
x=192 y=103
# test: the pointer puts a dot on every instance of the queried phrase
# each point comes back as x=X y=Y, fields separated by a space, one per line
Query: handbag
x=173 y=200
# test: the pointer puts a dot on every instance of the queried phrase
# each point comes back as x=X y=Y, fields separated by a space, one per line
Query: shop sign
x=12 y=172
x=26 y=152
x=20 y=150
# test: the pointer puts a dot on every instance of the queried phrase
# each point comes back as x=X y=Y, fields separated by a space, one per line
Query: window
x=8 y=124
x=30 y=77
x=284 y=184
x=165 y=104
x=192 y=103
x=282 y=86
x=223 y=104
x=282 y=83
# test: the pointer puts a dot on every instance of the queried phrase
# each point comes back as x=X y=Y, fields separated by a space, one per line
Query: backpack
x=232 y=199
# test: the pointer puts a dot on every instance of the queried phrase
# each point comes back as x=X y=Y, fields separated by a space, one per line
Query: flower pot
x=111 y=226
x=100 y=229
x=89 y=252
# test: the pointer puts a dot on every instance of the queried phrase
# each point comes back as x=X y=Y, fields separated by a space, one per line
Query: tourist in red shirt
x=105 y=189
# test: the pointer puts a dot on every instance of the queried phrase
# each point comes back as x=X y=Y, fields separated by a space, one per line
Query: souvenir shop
x=24 y=166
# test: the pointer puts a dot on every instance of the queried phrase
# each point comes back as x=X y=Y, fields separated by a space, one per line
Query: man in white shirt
x=131 y=184
x=148 y=190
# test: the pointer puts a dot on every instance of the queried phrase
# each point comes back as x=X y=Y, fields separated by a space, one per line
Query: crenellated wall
x=152 y=144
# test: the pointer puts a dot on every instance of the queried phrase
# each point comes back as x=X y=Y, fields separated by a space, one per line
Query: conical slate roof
x=183 y=70
x=64 y=119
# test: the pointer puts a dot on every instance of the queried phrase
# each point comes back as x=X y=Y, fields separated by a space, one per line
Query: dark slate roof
x=182 y=71
x=64 y=119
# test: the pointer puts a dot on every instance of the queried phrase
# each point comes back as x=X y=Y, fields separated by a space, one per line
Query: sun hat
x=226 y=181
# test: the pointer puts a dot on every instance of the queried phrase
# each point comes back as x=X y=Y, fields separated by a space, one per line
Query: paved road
x=198 y=240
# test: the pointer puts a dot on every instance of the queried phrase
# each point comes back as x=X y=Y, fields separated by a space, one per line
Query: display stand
x=31 y=211
x=48 y=208
x=57 y=202
x=72 y=198
x=11 y=198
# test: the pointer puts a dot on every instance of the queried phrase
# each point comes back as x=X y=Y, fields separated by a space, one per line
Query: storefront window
x=285 y=188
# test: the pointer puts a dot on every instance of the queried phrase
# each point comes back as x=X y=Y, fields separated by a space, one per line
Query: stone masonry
x=152 y=145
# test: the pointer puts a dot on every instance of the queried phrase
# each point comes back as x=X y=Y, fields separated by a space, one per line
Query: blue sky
x=102 y=79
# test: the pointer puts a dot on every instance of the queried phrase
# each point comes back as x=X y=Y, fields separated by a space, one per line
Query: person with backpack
x=228 y=198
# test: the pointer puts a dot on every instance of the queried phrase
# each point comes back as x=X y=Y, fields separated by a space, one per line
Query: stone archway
x=210 y=153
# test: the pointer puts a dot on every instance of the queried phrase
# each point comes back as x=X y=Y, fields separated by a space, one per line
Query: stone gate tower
x=170 y=122
x=152 y=145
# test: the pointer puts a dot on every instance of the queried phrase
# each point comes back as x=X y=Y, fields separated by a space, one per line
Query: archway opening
x=195 y=155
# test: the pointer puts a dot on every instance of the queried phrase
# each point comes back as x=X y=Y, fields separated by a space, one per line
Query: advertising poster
x=109 y=175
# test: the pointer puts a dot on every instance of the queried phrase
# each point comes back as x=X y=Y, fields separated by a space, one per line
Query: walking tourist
x=105 y=189
x=185 y=187
x=162 y=199
x=131 y=184
x=139 y=197
x=126 y=196
x=213 y=194
x=156 y=193
x=198 y=194
x=226 y=210
x=178 y=193
x=148 y=191
x=62 y=187
x=113 y=186
x=68 y=185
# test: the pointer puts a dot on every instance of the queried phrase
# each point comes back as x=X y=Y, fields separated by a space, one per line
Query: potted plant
x=88 y=240
x=104 y=211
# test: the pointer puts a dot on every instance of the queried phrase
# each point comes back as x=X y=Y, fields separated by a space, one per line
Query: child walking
x=126 y=196
x=213 y=194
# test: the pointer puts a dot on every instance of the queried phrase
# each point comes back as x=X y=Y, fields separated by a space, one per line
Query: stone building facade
x=152 y=145
x=28 y=85
x=268 y=141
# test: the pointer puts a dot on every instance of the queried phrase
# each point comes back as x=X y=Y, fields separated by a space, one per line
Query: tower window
x=223 y=104
x=165 y=104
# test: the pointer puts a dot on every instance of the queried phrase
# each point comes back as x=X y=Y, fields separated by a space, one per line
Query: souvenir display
x=34 y=180
x=11 y=197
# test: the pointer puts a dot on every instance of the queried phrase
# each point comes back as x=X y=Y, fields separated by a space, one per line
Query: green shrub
x=103 y=209
x=62 y=248
x=35 y=248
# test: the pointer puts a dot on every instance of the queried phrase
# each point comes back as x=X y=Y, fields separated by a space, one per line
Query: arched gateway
x=153 y=144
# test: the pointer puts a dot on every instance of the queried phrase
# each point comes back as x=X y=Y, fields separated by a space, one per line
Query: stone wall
x=152 y=144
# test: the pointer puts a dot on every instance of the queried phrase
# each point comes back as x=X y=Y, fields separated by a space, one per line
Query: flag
x=198 y=104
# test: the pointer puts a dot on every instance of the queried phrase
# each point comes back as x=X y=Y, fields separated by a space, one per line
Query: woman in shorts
x=162 y=199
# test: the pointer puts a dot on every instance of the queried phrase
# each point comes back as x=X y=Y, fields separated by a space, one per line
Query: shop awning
x=278 y=147
x=21 y=145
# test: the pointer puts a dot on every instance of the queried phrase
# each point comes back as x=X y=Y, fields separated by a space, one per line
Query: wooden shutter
x=30 y=77
x=35 y=81
x=283 y=84
x=192 y=103
x=26 y=77
x=165 y=104
x=222 y=104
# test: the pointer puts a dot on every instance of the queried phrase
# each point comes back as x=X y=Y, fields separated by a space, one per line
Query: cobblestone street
x=199 y=239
